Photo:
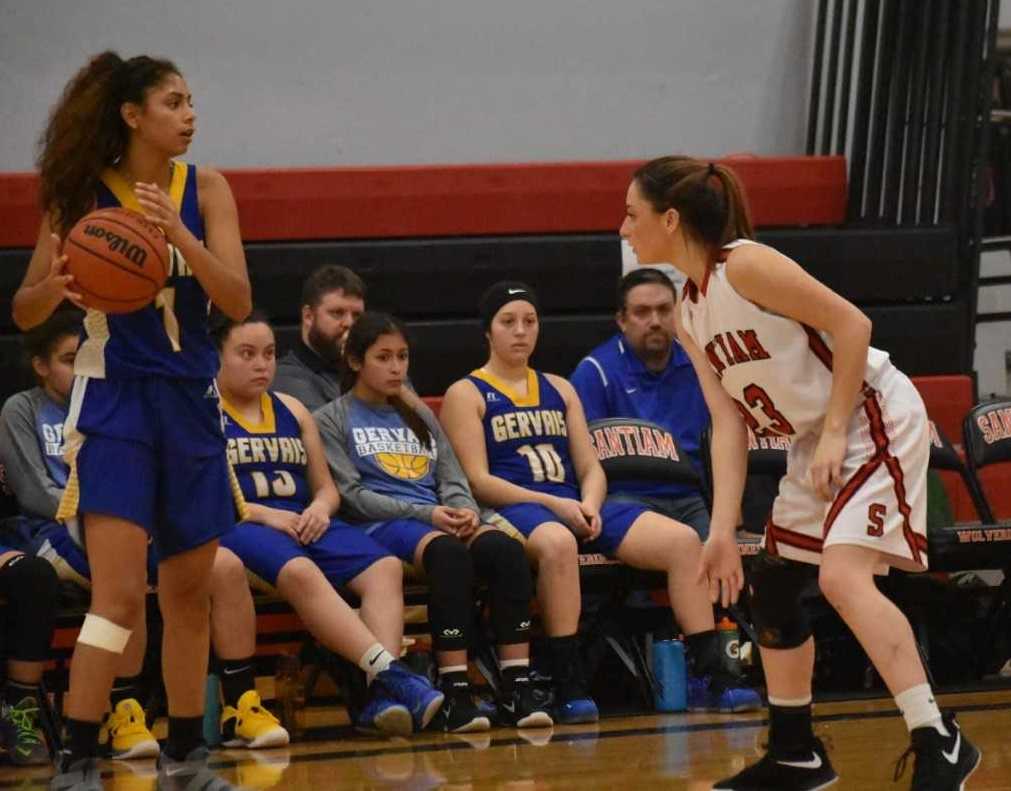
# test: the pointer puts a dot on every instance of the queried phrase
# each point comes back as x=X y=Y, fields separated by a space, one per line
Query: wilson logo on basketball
x=135 y=254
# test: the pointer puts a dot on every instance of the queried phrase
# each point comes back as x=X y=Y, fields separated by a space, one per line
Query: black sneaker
x=803 y=772
x=521 y=708
x=943 y=763
x=459 y=713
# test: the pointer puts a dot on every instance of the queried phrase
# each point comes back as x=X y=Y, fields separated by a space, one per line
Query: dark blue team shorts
x=151 y=451
x=401 y=536
x=616 y=517
x=342 y=552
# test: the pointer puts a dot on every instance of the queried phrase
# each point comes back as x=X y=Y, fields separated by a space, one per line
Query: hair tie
x=712 y=169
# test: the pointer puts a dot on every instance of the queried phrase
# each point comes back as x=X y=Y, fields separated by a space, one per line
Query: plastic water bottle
x=212 y=711
x=730 y=643
x=290 y=693
x=671 y=675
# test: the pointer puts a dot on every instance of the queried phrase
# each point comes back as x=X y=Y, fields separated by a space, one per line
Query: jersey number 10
x=545 y=463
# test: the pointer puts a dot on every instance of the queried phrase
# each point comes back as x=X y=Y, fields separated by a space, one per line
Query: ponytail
x=708 y=197
x=85 y=133
x=362 y=335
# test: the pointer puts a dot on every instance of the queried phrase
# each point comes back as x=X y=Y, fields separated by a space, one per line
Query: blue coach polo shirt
x=613 y=382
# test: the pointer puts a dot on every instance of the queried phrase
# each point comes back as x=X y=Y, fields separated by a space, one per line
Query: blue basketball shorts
x=342 y=552
x=401 y=536
x=151 y=451
x=616 y=517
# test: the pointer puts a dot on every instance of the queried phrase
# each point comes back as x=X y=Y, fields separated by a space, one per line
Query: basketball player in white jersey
x=780 y=353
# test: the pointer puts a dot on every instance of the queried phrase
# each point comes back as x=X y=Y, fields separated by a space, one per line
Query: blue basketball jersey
x=269 y=458
x=168 y=337
x=527 y=440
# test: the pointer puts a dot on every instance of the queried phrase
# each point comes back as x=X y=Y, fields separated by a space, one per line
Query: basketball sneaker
x=942 y=763
x=572 y=704
x=82 y=775
x=415 y=692
x=189 y=774
x=521 y=709
x=382 y=714
x=459 y=713
x=25 y=745
x=728 y=695
x=807 y=771
x=124 y=733
x=250 y=725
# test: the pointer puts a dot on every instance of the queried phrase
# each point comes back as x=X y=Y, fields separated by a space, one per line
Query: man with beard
x=333 y=297
x=643 y=373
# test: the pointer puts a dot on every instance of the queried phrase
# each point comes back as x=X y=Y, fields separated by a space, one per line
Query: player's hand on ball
x=720 y=568
x=313 y=522
x=159 y=208
x=58 y=284
x=826 y=466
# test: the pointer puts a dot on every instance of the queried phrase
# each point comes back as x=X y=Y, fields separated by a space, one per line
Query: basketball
x=405 y=466
x=119 y=260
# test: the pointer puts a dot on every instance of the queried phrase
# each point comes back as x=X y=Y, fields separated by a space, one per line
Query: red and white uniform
x=779 y=372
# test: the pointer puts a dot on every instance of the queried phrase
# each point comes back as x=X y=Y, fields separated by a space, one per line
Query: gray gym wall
x=315 y=82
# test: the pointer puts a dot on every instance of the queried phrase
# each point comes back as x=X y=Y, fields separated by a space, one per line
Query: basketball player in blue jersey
x=291 y=542
x=144 y=434
x=31 y=448
x=523 y=442
x=401 y=482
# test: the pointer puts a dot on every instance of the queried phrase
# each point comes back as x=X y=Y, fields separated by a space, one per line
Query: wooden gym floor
x=686 y=751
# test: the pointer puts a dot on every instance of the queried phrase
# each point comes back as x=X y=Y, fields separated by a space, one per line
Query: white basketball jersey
x=778 y=370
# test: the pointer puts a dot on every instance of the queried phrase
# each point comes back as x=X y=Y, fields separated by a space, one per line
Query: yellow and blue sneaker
x=250 y=725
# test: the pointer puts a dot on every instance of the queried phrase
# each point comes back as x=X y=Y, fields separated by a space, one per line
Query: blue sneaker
x=703 y=695
x=415 y=692
x=575 y=711
x=383 y=715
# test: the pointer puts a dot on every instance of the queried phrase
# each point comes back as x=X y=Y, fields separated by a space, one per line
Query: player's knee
x=552 y=545
x=836 y=584
x=388 y=573
x=297 y=577
x=31 y=588
x=776 y=586
x=501 y=559
x=228 y=571
x=447 y=562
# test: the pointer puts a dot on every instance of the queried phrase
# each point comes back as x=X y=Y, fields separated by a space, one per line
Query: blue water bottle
x=671 y=675
x=212 y=711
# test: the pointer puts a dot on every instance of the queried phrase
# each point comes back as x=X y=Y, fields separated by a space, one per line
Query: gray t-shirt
x=304 y=374
x=382 y=470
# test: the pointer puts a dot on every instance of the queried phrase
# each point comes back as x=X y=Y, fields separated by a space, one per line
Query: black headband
x=502 y=293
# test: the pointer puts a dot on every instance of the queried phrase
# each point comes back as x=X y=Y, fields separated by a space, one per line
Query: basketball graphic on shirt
x=406 y=466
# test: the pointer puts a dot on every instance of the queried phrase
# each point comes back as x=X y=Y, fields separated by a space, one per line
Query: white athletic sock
x=452 y=669
x=919 y=709
x=375 y=660
x=789 y=702
x=507 y=663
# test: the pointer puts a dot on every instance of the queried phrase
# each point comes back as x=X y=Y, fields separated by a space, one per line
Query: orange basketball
x=119 y=260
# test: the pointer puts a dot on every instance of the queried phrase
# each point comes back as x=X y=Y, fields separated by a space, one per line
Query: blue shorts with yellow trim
x=401 y=536
x=342 y=552
x=616 y=517
x=151 y=451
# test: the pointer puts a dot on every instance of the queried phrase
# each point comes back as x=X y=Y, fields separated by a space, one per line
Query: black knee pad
x=501 y=561
x=776 y=585
x=450 y=574
x=31 y=588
